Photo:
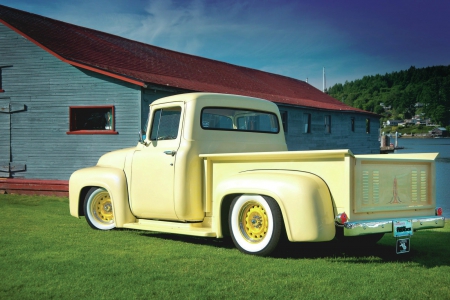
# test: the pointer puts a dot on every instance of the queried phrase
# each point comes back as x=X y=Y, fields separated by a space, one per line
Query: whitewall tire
x=255 y=224
x=98 y=209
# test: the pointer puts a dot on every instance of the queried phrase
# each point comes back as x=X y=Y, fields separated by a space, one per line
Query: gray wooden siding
x=341 y=136
x=47 y=87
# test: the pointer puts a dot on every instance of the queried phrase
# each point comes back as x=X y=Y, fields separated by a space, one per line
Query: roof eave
x=74 y=63
x=356 y=111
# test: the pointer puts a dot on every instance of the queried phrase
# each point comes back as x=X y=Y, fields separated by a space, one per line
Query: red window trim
x=107 y=131
x=2 y=91
x=92 y=132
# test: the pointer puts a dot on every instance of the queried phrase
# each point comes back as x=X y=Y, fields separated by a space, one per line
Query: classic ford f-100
x=216 y=165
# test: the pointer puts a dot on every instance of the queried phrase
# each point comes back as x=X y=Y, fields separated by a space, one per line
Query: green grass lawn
x=47 y=254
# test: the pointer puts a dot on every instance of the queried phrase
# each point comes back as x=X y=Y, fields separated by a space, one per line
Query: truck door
x=153 y=166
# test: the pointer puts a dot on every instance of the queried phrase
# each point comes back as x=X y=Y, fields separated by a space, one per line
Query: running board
x=194 y=229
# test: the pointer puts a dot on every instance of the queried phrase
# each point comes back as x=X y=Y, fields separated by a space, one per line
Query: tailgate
x=394 y=183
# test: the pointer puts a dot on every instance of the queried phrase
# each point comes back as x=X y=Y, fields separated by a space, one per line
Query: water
x=442 y=165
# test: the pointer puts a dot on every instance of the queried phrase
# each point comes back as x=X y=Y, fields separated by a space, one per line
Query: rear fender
x=304 y=200
x=111 y=179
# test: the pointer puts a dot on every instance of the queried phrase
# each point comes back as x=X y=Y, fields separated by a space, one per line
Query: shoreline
x=416 y=137
x=422 y=137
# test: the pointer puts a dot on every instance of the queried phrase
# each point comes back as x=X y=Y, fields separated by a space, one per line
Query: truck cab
x=167 y=163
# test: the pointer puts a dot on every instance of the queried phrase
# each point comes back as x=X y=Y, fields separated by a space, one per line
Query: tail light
x=341 y=218
x=438 y=211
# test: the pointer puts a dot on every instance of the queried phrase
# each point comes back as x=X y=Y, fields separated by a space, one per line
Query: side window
x=367 y=125
x=284 y=120
x=306 y=123
x=2 y=87
x=165 y=124
x=328 y=124
x=91 y=120
x=352 y=124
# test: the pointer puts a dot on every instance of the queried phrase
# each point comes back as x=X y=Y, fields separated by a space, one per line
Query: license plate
x=403 y=245
x=403 y=228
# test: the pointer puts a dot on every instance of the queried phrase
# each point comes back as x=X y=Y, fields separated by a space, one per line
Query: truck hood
x=115 y=159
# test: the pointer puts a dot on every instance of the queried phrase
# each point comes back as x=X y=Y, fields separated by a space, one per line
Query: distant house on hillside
x=68 y=94
x=422 y=121
x=439 y=132
x=394 y=122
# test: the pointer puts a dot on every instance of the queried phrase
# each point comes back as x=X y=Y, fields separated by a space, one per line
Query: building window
x=327 y=124
x=91 y=120
x=284 y=120
x=352 y=124
x=367 y=125
x=306 y=123
x=1 y=77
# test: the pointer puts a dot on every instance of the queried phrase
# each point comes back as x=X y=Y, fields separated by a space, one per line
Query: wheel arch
x=81 y=198
x=112 y=180
x=304 y=199
x=224 y=230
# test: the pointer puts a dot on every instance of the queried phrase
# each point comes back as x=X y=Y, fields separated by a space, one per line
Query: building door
x=7 y=166
x=5 y=138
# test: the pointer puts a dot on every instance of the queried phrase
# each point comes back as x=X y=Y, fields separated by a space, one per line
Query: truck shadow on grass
x=429 y=249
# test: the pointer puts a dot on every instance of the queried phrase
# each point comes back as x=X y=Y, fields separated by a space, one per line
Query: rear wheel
x=255 y=224
x=98 y=209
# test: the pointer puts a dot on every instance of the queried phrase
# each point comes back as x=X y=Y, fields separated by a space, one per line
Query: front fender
x=304 y=200
x=111 y=179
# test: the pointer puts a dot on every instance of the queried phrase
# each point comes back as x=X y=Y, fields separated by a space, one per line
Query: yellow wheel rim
x=101 y=207
x=253 y=222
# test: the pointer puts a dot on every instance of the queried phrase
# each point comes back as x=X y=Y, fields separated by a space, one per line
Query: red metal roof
x=142 y=64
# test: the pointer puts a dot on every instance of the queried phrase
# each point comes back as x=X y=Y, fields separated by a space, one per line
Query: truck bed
x=364 y=186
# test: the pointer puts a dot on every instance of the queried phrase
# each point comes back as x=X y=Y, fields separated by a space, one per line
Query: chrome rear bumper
x=385 y=225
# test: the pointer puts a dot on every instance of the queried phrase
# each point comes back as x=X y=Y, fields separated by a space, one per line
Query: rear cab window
x=237 y=119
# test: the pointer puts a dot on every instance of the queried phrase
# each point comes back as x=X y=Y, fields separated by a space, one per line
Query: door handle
x=170 y=152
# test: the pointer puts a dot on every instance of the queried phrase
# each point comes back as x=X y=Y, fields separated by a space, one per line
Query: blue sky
x=350 y=38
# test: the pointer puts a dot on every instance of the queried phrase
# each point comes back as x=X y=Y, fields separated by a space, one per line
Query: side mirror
x=142 y=137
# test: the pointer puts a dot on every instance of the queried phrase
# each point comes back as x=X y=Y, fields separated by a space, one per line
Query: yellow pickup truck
x=216 y=166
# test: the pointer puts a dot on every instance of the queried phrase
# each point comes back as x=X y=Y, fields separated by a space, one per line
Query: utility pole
x=324 y=81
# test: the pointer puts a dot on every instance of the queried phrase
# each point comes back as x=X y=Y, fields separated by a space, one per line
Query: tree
x=441 y=115
x=400 y=90
x=379 y=109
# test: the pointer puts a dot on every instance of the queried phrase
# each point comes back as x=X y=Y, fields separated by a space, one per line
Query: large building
x=68 y=94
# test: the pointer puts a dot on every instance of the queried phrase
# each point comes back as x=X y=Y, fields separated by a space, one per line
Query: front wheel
x=255 y=224
x=98 y=209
